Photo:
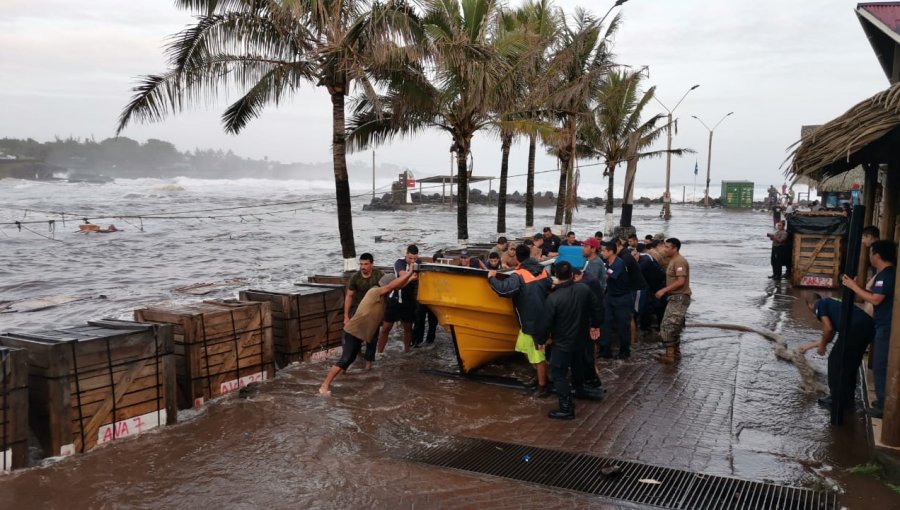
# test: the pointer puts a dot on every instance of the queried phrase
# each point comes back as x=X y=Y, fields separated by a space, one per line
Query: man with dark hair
x=598 y=235
x=655 y=277
x=638 y=284
x=572 y=318
x=870 y=234
x=402 y=303
x=846 y=354
x=632 y=241
x=678 y=290
x=528 y=286
x=502 y=245
x=883 y=257
x=551 y=243
x=493 y=262
x=571 y=240
x=618 y=305
x=363 y=326
x=360 y=283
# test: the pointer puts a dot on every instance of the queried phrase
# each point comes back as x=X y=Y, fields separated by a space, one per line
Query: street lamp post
x=667 y=198
x=709 y=151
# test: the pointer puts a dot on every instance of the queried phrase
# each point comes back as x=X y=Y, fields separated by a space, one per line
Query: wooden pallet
x=220 y=346
x=816 y=260
x=91 y=384
x=305 y=320
x=13 y=409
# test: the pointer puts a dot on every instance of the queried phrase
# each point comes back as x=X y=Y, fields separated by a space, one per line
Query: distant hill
x=128 y=158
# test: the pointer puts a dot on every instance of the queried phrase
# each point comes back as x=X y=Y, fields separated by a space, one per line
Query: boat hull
x=484 y=326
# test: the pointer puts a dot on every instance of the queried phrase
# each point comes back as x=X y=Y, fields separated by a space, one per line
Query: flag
x=696 y=168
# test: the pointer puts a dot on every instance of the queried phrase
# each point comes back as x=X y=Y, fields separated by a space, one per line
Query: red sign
x=410 y=183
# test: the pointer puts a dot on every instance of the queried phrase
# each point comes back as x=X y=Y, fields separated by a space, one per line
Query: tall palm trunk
x=630 y=175
x=462 y=194
x=611 y=173
x=342 y=182
x=529 y=187
x=563 y=191
x=571 y=193
x=505 y=143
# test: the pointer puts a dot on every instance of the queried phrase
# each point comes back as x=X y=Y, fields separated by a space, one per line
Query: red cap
x=592 y=242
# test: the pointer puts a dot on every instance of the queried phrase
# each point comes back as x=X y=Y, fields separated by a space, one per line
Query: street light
x=617 y=4
x=709 y=151
x=667 y=198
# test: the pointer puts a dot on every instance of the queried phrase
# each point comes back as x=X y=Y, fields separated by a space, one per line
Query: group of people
x=580 y=307
x=622 y=286
x=870 y=324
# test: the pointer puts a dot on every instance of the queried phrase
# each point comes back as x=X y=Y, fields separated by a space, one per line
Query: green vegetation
x=124 y=157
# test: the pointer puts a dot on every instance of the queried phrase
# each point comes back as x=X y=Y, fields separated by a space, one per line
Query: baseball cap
x=386 y=280
x=464 y=253
x=593 y=242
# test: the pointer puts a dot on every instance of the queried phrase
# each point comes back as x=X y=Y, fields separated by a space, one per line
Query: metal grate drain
x=676 y=488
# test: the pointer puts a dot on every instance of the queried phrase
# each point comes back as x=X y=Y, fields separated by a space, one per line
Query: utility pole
x=373 y=175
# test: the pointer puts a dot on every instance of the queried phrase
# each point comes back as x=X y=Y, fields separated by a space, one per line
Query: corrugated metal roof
x=886 y=12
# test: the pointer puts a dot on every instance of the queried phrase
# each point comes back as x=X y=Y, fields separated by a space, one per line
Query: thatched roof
x=854 y=179
x=867 y=133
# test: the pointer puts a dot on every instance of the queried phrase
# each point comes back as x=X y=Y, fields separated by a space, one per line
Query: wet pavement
x=731 y=407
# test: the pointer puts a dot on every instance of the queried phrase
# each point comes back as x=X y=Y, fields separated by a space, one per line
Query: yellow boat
x=483 y=325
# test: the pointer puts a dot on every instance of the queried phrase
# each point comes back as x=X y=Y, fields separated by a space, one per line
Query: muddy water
x=730 y=408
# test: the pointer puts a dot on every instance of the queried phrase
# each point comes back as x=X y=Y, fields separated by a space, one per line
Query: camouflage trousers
x=673 y=320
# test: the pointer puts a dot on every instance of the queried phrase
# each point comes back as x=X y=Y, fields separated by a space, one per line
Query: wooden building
x=868 y=136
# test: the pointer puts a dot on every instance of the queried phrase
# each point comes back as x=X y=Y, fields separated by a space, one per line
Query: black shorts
x=397 y=311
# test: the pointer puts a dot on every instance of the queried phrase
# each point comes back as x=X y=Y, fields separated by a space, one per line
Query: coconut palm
x=453 y=89
x=269 y=49
x=518 y=107
x=578 y=67
x=619 y=135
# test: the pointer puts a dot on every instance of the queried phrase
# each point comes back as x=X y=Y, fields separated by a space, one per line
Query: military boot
x=669 y=358
x=566 y=409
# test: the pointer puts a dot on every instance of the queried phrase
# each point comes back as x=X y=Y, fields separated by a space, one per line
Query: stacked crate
x=220 y=346
x=91 y=384
x=307 y=320
x=817 y=260
x=13 y=408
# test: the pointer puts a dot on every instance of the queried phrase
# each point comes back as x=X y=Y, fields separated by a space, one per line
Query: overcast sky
x=67 y=69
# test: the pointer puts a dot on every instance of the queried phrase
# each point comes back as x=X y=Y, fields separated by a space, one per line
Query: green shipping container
x=737 y=194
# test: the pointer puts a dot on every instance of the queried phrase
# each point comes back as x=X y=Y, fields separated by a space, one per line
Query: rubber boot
x=669 y=358
x=566 y=409
x=589 y=393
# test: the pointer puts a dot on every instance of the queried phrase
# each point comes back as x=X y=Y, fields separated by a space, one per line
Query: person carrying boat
x=590 y=249
x=466 y=260
x=572 y=318
x=528 y=286
x=587 y=358
x=359 y=284
x=364 y=325
x=619 y=304
x=402 y=304
x=493 y=262
x=551 y=243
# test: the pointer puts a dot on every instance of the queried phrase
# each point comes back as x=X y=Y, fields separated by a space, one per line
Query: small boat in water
x=483 y=325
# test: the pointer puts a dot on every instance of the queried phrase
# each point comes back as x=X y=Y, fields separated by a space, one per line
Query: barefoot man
x=364 y=324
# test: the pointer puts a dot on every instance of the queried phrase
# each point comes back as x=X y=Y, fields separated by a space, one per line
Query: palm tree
x=453 y=89
x=618 y=135
x=578 y=66
x=269 y=49
x=520 y=112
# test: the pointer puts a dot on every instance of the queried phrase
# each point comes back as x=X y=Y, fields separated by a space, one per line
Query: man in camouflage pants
x=678 y=290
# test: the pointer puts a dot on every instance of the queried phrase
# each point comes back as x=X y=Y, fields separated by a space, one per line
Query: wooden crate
x=306 y=319
x=13 y=409
x=817 y=260
x=91 y=384
x=220 y=346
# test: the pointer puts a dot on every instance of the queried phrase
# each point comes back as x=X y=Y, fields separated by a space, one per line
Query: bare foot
x=323 y=391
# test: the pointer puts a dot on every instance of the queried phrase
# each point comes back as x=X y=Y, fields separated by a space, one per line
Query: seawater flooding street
x=643 y=254
x=731 y=408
